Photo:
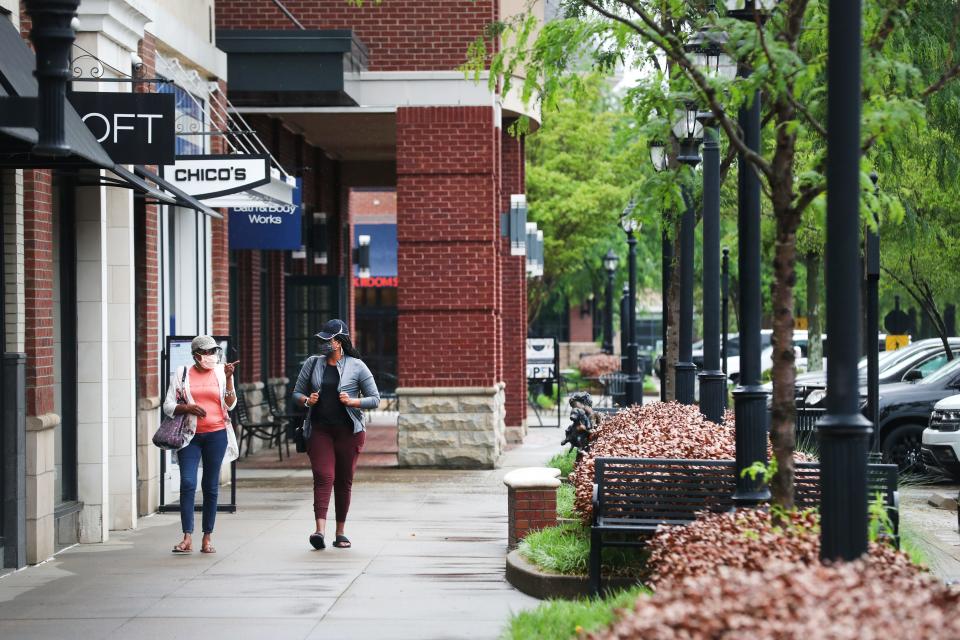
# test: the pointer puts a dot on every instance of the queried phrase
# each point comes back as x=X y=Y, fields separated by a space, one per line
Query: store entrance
x=310 y=301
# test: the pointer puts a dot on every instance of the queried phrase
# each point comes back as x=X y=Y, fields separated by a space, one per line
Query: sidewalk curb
x=531 y=580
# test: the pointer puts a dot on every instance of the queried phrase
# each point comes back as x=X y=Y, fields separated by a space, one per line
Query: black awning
x=141 y=186
x=17 y=63
x=182 y=199
x=291 y=67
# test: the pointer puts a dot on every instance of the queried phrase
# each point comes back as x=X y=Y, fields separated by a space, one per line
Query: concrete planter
x=533 y=581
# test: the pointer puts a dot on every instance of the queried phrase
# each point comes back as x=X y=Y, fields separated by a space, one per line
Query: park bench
x=633 y=497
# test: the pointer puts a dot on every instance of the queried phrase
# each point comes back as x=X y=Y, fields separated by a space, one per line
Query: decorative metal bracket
x=89 y=68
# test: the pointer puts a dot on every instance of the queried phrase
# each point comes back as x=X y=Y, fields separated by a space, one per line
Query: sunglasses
x=208 y=352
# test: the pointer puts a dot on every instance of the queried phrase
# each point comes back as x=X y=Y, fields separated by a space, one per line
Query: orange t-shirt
x=206 y=392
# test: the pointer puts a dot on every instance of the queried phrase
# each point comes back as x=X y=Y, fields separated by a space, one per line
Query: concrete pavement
x=428 y=562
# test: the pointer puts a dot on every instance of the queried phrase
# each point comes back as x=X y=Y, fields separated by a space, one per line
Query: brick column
x=531 y=502
x=514 y=299
x=278 y=318
x=451 y=399
x=41 y=420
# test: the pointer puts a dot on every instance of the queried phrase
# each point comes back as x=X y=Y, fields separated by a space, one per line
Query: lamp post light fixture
x=689 y=131
x=750 y=9
x=610 y=262
x=633 y=391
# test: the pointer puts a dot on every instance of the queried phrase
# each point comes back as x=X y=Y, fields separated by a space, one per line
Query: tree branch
x=886 y=26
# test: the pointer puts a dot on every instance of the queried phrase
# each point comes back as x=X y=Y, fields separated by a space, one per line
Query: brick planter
x=531 y=501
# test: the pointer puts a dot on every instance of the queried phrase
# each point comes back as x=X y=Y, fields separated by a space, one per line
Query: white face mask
x=208 y=361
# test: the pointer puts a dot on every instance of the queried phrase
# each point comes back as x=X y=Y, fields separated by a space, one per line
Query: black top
x=330 y=411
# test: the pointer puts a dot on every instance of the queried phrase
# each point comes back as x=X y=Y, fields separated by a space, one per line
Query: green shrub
x=649 y=386
x=564 y=461
x=564 y=619
x=565 y=501
x=565 y=549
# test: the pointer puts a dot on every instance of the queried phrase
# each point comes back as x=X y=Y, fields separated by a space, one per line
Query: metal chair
x=266 y=430
x=614 y=385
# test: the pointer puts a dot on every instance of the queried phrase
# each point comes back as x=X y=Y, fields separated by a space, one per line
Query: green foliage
x=565 y=496
x=564 y=461
x=766 y=472
x=567 y=619
x=912 y=544
x=565 y=549
x=545 y=402
x=879 y=525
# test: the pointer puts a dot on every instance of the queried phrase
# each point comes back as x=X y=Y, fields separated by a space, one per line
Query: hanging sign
x=134 y=128
x=541 y=358
x=267 y=226
x=205 y=177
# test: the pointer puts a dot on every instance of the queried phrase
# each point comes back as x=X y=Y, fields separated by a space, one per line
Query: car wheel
x=902 y=447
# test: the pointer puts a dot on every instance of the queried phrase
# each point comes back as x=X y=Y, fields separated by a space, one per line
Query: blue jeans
x=210 y=447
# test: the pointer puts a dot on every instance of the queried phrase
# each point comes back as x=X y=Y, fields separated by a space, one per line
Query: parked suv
x=941 y=439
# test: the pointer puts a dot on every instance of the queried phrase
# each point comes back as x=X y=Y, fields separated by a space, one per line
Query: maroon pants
x=333 y=451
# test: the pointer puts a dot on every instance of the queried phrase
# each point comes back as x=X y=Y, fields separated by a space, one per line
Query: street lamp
x=707 y=48
x=749 y=398
x=660 y=161
x=689 y=132
x=610 y=262
x=843 y=431
x=633 y=392
x=872 y=259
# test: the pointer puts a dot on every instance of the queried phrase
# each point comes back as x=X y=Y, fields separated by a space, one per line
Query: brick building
x=359 y=99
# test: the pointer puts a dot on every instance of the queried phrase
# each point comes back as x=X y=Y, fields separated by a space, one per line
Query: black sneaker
x=316 y=540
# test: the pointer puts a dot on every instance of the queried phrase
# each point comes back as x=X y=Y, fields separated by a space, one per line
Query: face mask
x=208 y=361
x=326 y=349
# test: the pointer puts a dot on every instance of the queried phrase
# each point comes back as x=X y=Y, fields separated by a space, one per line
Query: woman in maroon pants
x=334 y=386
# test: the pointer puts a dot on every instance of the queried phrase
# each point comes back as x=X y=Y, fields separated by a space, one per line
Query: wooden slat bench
x=633 y=497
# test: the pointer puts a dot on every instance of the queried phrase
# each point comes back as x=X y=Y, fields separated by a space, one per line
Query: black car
x=903 y=412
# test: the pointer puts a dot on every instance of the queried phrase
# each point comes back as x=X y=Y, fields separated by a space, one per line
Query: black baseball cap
x=333 y=328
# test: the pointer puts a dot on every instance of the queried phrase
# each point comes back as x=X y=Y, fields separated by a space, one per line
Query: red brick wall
x=514 y=292
x=38 y=287
x=581 y=325
x=400 y=35
x=220 y=238
x=146 y=265
x=529 y=510
x=447 y=231
x=277 y=315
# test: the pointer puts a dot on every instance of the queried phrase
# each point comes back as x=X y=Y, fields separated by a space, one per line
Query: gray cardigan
x=355 y=379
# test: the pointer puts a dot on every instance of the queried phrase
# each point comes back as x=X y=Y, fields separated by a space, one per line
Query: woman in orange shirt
x=207 y=387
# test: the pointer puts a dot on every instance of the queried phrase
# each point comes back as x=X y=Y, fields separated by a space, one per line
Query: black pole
x=712 y=379
x=872 y=253
x=686 y=371
x=843 y=431
x=624 y=320
x=750 y=399
x=634 y=382
x=608 y=315
x=666 y=273
x=725 y=314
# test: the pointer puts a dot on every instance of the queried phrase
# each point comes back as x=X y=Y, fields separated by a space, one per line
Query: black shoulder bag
x=298 y=438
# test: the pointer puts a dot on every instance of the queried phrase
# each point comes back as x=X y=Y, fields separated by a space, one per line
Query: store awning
x=181 y=198
x=292 y=66
x=17 y=64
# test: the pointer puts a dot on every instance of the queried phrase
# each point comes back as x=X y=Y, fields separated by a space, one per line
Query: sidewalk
x=428 y=562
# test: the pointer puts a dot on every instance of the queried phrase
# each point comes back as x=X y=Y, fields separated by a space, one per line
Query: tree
x=787 y=56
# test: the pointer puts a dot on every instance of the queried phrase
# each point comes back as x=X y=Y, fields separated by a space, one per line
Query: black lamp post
x=610 y=262
x=689 y=132
x=624 y=319
x=749 y=398
x=872 y=258
x=707 y=49
x=725 y=313
x=843 y=431
x=660 y=161
x=633 y=390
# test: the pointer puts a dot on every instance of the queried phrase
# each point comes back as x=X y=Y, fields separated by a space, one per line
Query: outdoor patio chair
x=266 y=430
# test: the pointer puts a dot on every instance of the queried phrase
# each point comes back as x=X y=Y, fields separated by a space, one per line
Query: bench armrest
x=596 y=502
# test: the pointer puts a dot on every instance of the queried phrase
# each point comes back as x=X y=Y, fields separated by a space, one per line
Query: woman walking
x=207 y=389
x=334 y=386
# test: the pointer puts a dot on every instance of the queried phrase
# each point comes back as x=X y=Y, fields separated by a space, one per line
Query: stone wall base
x=148 y=456
x=515 y=435
x=451 y=427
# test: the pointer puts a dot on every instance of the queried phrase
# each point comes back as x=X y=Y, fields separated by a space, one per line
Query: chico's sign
x=134 y=128
x=212 y=176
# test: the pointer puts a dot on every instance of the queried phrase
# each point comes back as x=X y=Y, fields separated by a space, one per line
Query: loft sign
x=134 y=128
x=267 y=226
x=206 y=177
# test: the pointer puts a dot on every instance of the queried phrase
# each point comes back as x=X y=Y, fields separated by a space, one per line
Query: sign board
x=897 y=342
x=800 y=323
x=375 y=282
x=268 y=226
x=541 y=358
x=134 y=128
x=205 y=177
x=179 y=354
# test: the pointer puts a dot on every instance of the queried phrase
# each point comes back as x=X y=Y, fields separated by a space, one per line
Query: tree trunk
x=784 y=372
x=673 y=325
x=814 y=331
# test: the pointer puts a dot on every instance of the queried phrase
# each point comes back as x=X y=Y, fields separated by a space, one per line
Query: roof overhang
x=287 y=67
